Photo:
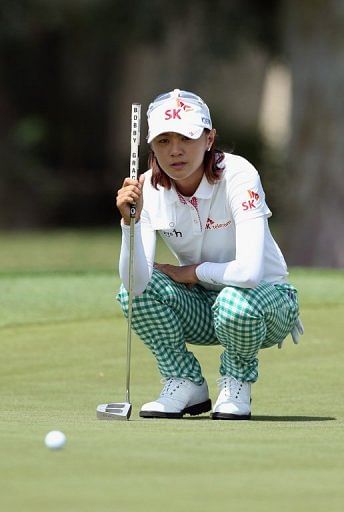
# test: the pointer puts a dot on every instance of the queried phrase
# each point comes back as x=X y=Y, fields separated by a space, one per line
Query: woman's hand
x=185 y=274
x=130 y=193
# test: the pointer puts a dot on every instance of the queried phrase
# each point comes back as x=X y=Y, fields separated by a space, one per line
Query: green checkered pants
x=243 y=320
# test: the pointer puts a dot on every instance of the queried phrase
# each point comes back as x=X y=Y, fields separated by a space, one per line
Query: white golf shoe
x=234 y=400
x=178 y=397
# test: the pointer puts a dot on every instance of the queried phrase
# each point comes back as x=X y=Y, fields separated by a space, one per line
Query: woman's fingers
x=128 y=194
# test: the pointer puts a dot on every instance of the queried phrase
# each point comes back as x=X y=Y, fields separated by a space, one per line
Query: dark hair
x=212 y=168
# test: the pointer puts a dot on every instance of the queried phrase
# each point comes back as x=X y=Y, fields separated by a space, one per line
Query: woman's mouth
x=177 y=165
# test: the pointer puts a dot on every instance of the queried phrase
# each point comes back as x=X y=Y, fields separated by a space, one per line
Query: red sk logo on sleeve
x=250 y=204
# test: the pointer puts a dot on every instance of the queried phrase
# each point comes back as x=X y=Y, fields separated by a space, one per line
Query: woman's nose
x=176 y=148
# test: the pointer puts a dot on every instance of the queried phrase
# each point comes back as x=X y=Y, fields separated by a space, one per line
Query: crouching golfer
x=230 y=287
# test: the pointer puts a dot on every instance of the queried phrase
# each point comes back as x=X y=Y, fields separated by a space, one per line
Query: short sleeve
x=245 y=193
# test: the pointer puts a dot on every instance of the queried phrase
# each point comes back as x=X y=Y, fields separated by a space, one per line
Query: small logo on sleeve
x=250 y=204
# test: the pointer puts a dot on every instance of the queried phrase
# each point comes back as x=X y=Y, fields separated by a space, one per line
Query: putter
x=122 y=410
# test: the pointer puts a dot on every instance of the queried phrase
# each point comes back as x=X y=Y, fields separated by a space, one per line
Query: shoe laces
x=230 y=386
x=172 y=384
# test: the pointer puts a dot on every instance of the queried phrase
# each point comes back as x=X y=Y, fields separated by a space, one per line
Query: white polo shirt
x=202 y=229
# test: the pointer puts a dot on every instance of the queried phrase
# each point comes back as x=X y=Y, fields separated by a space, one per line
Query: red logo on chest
x=211 y=224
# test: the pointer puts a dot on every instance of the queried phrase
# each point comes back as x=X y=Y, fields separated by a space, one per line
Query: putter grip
x=134 y=147
x=134 y=165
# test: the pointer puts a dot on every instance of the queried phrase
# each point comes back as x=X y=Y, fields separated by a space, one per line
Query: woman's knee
x=233 y=306
x=123 y=299
x=162 y=287
x=159 y=289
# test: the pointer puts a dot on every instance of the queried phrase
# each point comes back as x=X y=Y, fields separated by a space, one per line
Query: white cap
x=178 y=111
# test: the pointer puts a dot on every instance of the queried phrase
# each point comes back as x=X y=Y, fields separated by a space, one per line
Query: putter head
x=114 y=411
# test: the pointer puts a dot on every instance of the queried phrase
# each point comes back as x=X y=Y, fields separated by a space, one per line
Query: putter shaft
x=118 y=410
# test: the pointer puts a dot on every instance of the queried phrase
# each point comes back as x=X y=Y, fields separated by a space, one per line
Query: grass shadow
x=195 y=418
x=271 y=418
x=293 y=418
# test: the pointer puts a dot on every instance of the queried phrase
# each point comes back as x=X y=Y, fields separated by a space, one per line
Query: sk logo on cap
x=183 y=105
x=174 y=113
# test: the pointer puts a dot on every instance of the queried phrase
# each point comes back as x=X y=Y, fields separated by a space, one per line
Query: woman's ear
x=211 y=137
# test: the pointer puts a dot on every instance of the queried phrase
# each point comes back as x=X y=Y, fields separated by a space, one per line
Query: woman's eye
x=162 y=141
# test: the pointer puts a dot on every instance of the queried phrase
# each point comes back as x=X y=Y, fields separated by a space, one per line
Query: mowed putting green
x=63 y=350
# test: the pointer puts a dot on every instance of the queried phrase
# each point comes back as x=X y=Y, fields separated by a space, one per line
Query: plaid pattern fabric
x=168 y=315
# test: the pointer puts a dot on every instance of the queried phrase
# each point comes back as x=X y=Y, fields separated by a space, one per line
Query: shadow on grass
x=292 y=418
x=272 y=418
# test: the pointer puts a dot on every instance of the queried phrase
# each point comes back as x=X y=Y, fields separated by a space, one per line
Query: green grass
x=63 y=352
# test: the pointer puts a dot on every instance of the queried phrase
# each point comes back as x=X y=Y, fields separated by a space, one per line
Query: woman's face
x=181 y=158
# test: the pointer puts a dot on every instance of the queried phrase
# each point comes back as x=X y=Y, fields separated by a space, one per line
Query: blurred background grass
x=68 y=250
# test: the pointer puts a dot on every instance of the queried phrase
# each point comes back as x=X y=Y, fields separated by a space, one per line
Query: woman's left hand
x=186 y=274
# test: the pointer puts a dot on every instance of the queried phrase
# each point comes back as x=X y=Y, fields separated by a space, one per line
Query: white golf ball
x=55 y=440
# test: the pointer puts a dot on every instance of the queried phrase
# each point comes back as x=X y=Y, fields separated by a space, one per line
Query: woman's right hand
x=130 y=193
